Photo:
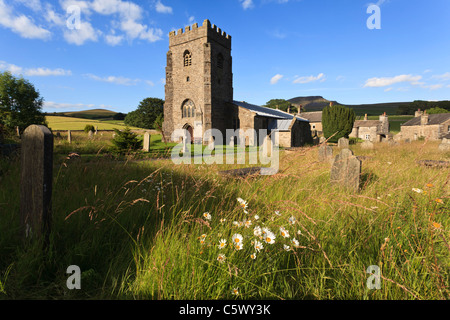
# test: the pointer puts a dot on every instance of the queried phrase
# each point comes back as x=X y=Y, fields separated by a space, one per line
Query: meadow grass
x=70 y=123
x=137 y=230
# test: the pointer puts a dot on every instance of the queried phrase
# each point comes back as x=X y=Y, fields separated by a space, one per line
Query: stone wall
x=432 y=132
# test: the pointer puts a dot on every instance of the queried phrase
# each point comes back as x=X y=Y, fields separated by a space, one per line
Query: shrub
x=89 y=127
x=337 y=122
x=126 y=140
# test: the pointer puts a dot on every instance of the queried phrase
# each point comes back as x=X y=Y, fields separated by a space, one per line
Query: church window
x=188 y=109
x=187 y=58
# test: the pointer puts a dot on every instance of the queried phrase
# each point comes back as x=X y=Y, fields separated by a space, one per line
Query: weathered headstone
x=343 y=143
x=444 y=147
x=346 y=170
x=36 y=181
x=146 y=145
x=392 y=142
x=69 y=136
x=90 y=134
x=185 y=142
x=325 y=153
x=367 y=145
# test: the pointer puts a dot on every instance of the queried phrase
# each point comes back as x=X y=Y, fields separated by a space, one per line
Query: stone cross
x=36 y=181
x=346 y=170
x=343 y=143
x=146 y=146
x=325 y=153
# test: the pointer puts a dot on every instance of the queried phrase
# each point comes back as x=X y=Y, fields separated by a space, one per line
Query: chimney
x=365 y=117
x=424 y=118
x=418 y=113
x=300 y=107
x=289 y=109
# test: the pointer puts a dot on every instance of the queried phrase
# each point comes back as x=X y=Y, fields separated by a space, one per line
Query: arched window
x=220 y=61
x=187 y=58
x=188 y=109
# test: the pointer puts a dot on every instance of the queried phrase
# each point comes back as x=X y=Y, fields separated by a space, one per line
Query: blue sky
x=280 y=48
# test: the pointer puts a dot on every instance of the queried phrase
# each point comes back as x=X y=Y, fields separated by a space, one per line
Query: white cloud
x=308 y=79
x=388 y=89
x=34 y=5
x=56 y=105
x=388 y=81
x=79 y=36
x=276 y=78
x=443 y=77
x=22 y=25
x=30 y=72
x=246 y=4
x=113 y=40
x=433 y=86
x=113 y=79
x=162 y=8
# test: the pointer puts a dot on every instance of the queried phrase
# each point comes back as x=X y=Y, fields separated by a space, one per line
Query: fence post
x=36 y=182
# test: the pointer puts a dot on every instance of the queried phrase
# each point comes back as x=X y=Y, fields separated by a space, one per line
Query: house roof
x=315 y=116
x=268 y=112
x=366 y=123
x=432 y=119
x=280 y=124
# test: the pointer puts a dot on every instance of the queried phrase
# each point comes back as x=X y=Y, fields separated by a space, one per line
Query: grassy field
x=138 y=230
x=69 y=123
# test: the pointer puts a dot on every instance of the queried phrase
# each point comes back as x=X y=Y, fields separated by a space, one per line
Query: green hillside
x=93 y=114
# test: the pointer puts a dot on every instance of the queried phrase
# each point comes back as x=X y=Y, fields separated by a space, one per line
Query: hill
x=93 y=114
x=317 y=103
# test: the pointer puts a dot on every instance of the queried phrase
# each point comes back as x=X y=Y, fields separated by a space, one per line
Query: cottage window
x=187 y=58
x=367 y=137
x=188 y=109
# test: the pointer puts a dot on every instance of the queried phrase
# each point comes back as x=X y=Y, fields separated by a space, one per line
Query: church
x=199 y=93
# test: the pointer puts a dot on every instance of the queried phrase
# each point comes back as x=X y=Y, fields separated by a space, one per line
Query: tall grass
x=137 y=230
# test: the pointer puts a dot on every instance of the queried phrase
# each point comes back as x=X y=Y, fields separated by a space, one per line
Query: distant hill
x=93 y=114
x=318 y=103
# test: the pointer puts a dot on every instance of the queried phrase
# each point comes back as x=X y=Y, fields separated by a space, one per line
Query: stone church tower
x=199 y=81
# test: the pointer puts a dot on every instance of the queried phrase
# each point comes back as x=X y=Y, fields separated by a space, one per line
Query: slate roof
x=432 y=119
x=366 y=123
x=315 y=116
x=267 y=112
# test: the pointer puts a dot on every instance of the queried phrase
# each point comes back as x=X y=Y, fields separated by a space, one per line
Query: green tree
x=337 y=120
x=126 y=140
x=20 y=102
x=436 y=110
x=280 y=104
x=146 y=113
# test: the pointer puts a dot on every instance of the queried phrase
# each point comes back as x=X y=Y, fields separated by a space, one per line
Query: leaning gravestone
x=367 y=145
x=146 y=145
x=325 y=153
x=36 y=181
x=346 y=170
x=445 y=145
x=343 y=143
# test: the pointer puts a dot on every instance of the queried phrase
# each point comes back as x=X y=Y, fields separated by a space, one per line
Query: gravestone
x=445 y=145
x=90 y=134
x=36 y=181
x=367 y=145
x=69 y=136
x=325 y=153
x=185 y=142
x=343 y=143
x=146 y=146
x=346 y=170
x=96 y=129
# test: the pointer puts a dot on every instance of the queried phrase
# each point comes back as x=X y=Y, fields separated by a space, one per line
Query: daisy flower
x=286 y=247
x=238 y=246
x=269 y=237
x=242 y=203
x=237 y=238
x=278 y=213
x=284 y=233
x=295 y=242
x=417 y=190
x=256 y=217
x=253 y=256
x=235 y=291
x=223 y=220
x=258 y=246
x=257 y=231
x=207 y=216
x=221 y=258
x=292 y=220
x=222 y=244
x=247 y=223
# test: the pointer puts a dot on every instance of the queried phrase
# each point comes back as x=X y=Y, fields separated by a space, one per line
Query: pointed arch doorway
x=189 y=128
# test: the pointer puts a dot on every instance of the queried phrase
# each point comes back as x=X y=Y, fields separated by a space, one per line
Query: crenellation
x=190 y=33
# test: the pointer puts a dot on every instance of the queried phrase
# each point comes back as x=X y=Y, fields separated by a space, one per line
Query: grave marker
x=146 y=146
x=343 y=143
x=36 y=181
x=346 y=170
x=325 y=153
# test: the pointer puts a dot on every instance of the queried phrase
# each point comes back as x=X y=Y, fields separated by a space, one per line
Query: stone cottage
x=199 y=92
x=423 y=125
x=371 y=130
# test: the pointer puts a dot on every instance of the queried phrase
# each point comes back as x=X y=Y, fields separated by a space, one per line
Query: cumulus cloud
x=246 y=4
x=388 y=81
x=21 y=24
x=276 y=78
x=308 y=79
x=113 y=79
x=71 y=106
x=443 y=77
x=30 y=72
x=162 y=8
